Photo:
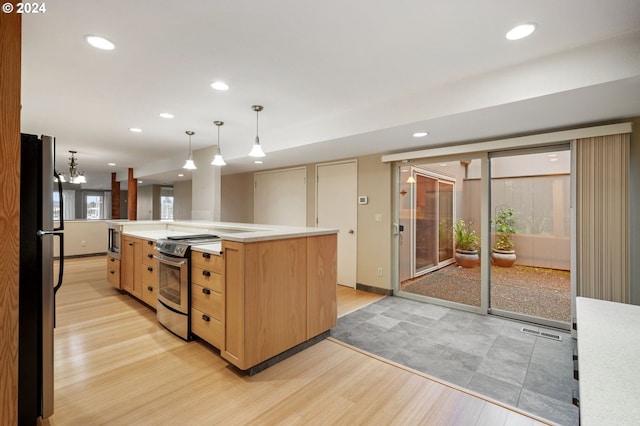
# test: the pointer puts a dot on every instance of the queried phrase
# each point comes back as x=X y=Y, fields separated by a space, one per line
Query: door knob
x=351 y=231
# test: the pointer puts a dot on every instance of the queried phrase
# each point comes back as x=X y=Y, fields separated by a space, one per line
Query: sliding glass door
x=531 y=235
x=434 y=198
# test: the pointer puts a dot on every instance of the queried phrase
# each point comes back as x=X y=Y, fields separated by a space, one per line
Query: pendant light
x=217 y=159
x=257 y=151
x=189 y=164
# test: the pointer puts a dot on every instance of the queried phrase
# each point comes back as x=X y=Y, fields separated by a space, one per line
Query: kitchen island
x=260 y=294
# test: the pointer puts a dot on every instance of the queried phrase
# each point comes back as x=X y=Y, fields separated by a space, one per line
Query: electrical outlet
x=83 y=243
x=379 y=272
x=378 y=217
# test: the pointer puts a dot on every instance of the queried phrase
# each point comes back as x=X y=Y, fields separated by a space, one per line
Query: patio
x=539 y=292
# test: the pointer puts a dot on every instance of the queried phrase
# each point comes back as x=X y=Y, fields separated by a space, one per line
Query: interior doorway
x=336 y=207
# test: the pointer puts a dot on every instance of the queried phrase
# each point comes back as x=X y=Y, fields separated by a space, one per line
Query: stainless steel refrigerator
x=37 y=282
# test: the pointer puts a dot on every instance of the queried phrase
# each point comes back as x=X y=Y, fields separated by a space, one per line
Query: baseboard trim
x=374 y=290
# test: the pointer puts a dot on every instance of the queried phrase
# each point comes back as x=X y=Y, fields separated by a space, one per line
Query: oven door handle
x=165 y=259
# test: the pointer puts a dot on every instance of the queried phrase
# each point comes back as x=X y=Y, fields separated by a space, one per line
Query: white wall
x=182 y=194
x=83 y=237
x=205 y=189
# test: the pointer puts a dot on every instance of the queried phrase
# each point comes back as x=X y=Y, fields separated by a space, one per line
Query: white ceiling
x=337 y=78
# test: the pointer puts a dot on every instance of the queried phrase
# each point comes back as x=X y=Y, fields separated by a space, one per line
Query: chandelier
x=74 y=176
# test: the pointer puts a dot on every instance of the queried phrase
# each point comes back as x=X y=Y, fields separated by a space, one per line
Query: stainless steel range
x=174 y=281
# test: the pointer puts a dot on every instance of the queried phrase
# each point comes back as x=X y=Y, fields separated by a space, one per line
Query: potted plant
x=467 y=241
x=504 y=253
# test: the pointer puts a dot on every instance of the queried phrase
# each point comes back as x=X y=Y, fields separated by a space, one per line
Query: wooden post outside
x=132 y=197
x=115 y=197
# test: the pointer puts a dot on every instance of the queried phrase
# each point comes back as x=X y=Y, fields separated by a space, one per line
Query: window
x=94 y=206
x=166 y=203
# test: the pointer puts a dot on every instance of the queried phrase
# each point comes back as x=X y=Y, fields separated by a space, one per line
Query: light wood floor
x=116 y=366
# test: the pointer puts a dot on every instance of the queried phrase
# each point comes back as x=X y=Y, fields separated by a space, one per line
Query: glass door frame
x=560 y=146
x=485 y=228
x=485 y=245
x=415 y=172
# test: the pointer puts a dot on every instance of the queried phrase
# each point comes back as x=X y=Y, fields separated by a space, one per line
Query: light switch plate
x=363 y=199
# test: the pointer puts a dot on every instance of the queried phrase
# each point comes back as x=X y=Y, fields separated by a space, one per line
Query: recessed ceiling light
x=135 y=129
x=111 y=164
x=220 y=85
x=553 y=159
x=521 y=31
x=258 y=161
x=552 y=155
x=420 y=134
x=166 y=115
x=99 y=42
x=180 y=174
x=139 y=181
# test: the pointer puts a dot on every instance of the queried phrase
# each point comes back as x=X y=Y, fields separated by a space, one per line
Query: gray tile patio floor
x=485 y=354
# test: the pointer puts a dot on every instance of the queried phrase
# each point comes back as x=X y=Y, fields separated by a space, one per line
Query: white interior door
x=337 y=208
x=280 y=197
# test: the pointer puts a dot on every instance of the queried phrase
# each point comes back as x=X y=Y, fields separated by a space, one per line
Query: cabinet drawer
x=211 y=262
x=148 y=250
x=113 y=271
x=150 y=274
x=150 y=294
x=207 y=328
x=207 y=278
x=207 y=301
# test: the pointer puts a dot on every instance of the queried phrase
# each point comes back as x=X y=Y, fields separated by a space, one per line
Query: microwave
x=114 y=241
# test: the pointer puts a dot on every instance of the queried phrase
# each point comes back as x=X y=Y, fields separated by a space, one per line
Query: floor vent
x=541 y=334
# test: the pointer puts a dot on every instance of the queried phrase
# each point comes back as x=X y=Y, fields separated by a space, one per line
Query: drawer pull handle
x=150 y=243
x=130 y=244
x=206 y=255
x=206 y=291
x=206 y=317
x=149 y=288
x=206 y=273
x=112 y=271
x=150 y=256
x=149 y=268
x=112 y=259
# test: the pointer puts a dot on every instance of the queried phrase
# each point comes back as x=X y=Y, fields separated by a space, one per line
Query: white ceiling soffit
x=337 y=79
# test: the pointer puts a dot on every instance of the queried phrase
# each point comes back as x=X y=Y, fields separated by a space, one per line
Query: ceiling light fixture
x=135 y=129
x=258 y=161
x=189 y=164
x=521 y=31
x=75 y=176
x=420 y=134
x=166 y=115
x=220 y=85
x=257 y=151
x=180 y=174
x=217 y=159
x=99 y=42
x=111 y=164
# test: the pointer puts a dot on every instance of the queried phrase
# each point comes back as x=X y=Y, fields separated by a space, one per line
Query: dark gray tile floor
x=486 y=354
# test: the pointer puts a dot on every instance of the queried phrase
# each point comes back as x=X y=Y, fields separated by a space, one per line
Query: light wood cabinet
x=132 y=265
x=207 y=297
x=113 y=271
x=278 y=294
x=149 y=287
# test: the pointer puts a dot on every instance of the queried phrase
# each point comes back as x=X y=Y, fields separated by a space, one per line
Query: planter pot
x=504 y=258
x=467 y=258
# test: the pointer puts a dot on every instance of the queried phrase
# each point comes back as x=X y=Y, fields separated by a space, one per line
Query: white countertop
x=240 y=232
x=608 y=362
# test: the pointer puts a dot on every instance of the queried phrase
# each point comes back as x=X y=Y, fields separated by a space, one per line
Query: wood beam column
x=115 y=197
x=132 y=196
